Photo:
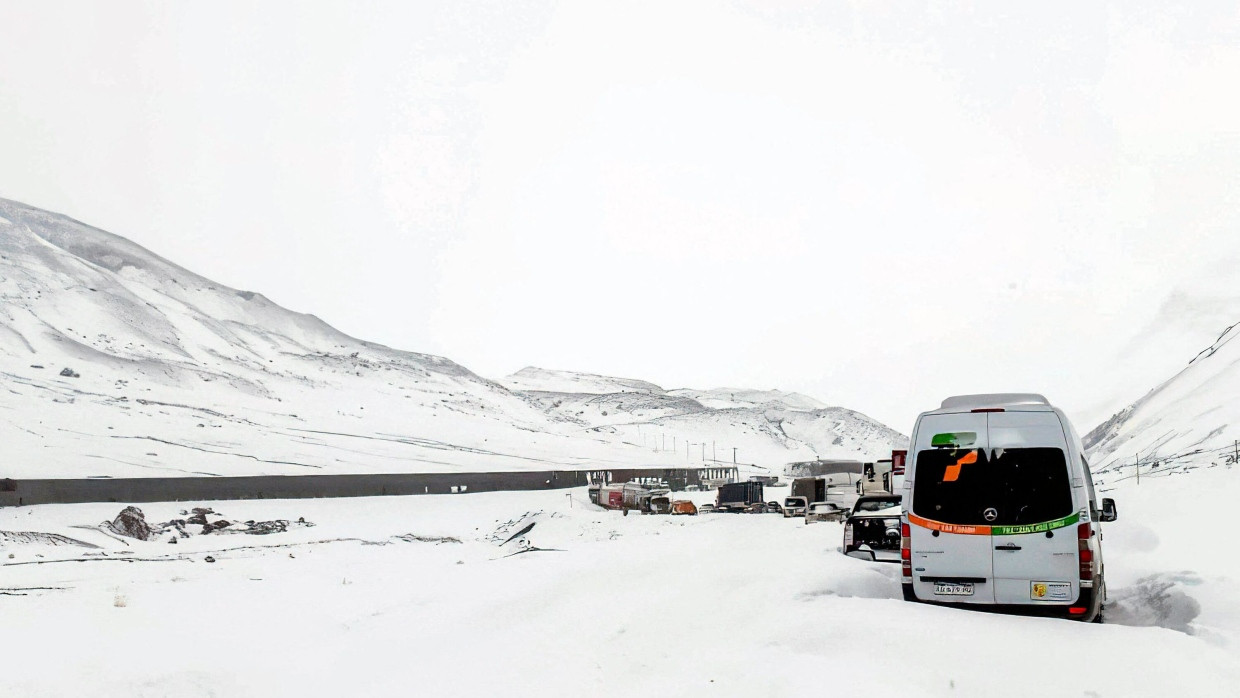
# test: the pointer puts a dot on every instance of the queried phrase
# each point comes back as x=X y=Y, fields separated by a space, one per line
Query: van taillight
x=906 y=551
x=1085 y=553
x=848 y=535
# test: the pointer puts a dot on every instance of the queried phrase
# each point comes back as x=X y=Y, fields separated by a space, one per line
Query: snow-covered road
x=636 y=605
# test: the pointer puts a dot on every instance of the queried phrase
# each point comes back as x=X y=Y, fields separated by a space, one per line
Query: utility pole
x=703 y=450
x=1138 y=457
x=673 y=443
x=712 y=449
x=1236 y=454
x=664 y=440
x=733 y=455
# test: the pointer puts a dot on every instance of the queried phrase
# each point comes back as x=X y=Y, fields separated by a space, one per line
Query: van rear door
x=1034 y=534
x=950 y=545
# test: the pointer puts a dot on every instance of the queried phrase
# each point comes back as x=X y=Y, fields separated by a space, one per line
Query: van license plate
x=948 y=589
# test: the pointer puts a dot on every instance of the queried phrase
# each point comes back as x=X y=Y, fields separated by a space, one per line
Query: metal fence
x=17 y=492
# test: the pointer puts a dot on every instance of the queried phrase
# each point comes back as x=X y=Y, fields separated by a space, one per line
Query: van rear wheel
x=1100 y=600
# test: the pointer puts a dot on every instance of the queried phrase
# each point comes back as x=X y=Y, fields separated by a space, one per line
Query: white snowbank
x=588 y=602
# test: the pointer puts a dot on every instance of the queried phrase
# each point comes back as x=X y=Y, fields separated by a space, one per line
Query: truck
x=837 y=489
x=739 y=494
x=608 y=496
x=814 y=489
x=875 y=477
x=895 y=479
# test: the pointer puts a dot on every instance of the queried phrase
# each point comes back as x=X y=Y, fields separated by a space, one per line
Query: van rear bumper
x=1086 y=600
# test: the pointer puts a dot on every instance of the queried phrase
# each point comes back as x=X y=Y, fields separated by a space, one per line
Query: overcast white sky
x=878 y=204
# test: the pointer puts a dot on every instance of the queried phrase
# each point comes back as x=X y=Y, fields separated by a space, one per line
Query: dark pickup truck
x=872 y=531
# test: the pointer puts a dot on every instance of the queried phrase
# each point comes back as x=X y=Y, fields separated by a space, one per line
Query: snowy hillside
x=1190 y=316
x=552 y=381
x=116 y=362
x=726 y=398
x=767 y=428
x=1191 y=420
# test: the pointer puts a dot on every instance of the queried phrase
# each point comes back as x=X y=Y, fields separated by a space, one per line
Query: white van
x=999 y=509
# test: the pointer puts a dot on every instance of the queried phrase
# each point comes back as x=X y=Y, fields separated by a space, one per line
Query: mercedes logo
x=990 y=514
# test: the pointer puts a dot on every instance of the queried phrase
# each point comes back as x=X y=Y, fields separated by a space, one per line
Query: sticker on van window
x=957 y=439
x=952 y=472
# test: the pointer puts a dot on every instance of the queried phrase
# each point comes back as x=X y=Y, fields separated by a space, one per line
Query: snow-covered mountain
x=1202 y=302
x=552 y=381
x=1190 y=420
x=727 y=398
x=766 y=427
x=116 y=362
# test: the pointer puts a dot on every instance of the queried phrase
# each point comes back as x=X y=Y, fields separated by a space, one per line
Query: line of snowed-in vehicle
x=992 y=506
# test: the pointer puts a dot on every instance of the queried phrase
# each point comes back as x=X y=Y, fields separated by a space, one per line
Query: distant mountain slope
x=553 y=381
x=117 y=362
x=1191 y=419
x=766 y=427
x=727 y=398
x=1203 y=301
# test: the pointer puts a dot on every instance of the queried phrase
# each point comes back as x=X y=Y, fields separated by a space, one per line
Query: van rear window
x=1021 y=485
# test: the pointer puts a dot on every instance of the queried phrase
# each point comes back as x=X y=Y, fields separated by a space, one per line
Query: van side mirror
x=1108 y=510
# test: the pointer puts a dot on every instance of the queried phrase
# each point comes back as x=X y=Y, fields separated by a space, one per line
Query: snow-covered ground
x=606 y=604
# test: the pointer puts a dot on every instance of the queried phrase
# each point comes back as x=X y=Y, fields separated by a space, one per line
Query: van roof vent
x=993 y=400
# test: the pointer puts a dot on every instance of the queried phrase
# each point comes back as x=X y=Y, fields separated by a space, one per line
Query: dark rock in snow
x=215 y=526
x=261 y=528
x=199 y=516
x=209 y=559
x=131 y=522
x=69 y=373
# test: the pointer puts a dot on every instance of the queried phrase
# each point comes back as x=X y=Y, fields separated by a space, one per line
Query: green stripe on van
x=1035 y=528
x=957 y=439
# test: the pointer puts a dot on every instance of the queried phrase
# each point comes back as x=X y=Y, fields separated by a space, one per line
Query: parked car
x=658 y=504
x=684 y=507
x=774 y=508
x=872 y=531
x=824 y=511
x=1000 y=487
x=795 y=506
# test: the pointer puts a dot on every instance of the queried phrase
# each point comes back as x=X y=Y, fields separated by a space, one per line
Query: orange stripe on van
x=953 y=471
x=948 y=528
